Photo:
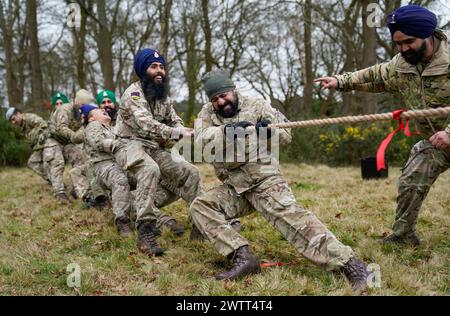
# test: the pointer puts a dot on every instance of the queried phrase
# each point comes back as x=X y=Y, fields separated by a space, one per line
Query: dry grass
x=39 y=238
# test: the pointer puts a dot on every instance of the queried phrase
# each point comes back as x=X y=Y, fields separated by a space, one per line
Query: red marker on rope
x=381 y=164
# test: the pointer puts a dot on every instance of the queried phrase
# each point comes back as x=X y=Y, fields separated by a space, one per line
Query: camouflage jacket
x=99 y=141
x=35 y=130
x=242 y=176
x=151 y=123
x=65 y=127
x=418 y=90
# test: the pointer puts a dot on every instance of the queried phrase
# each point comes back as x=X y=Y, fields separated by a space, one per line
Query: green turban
x=59 y=96
x=106 y=94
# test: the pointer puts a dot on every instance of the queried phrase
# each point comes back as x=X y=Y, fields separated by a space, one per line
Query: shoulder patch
x=136 y=95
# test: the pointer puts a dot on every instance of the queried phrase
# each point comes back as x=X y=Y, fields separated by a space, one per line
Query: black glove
x=238 y=128
x=263 y=124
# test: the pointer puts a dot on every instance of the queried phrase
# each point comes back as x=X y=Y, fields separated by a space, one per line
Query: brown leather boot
x=411 y=239
x=146 y=240
x=63 y=198
x=175 y=227
x=123 y=226
x=237 y=226
x=356 y=272
x=244 y=263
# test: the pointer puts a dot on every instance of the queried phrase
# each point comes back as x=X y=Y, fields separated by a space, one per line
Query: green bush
x=14 y=150
x=343 y=145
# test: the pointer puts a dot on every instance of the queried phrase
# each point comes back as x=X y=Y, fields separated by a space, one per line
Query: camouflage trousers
x=179 y=176
x=424 y=166
x=55 y=155
x=109 y=176
x=36 y=163
x=162 y=198
x=147 y=167
x=275 y=201
x=97 y=188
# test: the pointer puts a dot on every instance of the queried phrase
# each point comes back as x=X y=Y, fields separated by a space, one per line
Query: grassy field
x=39 y=239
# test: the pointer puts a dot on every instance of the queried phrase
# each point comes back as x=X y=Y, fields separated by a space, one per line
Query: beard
x=154 y=90
x=415 y=57
x=112 y=113
x=231 y=111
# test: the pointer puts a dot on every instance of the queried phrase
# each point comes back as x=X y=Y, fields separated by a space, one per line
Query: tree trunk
x=79 y=37
x=368 y=101
x=104 y=44
x=350 y=54
x=37 y=89
x=14 y=96
x=209 y=60
x=166 y=9
x=309 y=78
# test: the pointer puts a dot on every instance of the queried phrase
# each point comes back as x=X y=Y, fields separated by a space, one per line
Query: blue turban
x=144 y=58
x=85 y=109
x=413 y=20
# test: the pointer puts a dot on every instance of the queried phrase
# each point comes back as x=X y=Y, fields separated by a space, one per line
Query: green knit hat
x=217 y=81
x=59 y=96
x=106 y=94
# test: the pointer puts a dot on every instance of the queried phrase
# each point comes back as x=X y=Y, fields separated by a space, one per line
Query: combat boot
x=237 y=226
x=411 y=239
x=175 y=227
x=101 y=202
x=63 y=198
x=88 y=203
x=244 y=263
x=123 y=226
x=146 y=240
x=196 y=235
x=74 y=194
x=356 y=272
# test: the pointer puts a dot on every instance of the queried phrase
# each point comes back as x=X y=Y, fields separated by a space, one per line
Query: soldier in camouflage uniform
x=106 y=100
x=99 y=144
x=34 y=128
x=257 y=185
x=419 y=74
x=148 y=121
x=66 y=133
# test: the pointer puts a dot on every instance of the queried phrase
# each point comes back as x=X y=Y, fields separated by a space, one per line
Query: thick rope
x=414 y=114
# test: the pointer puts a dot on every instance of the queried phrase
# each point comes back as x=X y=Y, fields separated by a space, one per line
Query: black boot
x=101 y=202
x=411 y=239
x=244 y=263
x=146 y=241
x=356 y=272
x=88 y=202
x=175 y=227
x=123 y=226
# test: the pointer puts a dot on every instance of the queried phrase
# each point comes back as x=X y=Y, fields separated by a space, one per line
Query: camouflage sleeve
x=37 y=132
x=62 y=120
x=275 y=116
x=447 y=130
x=78 y=136
x=371 y=79
x=173 y=118
x=95 y=138
x=205 y=131
x=148 y=127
